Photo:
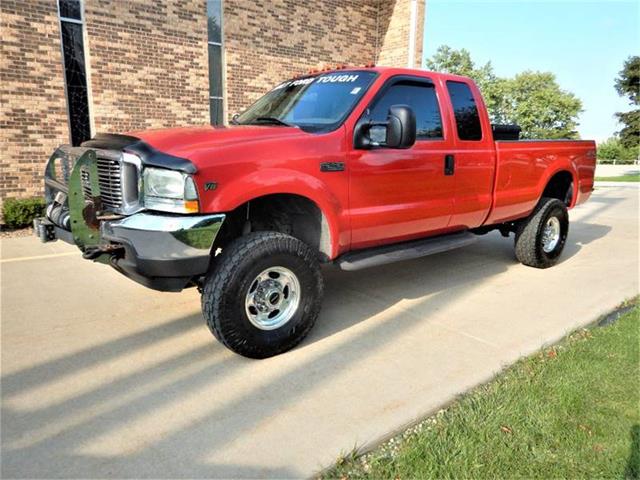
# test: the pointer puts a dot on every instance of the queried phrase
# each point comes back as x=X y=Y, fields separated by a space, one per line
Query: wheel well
x=560 y=186
x=292 y=214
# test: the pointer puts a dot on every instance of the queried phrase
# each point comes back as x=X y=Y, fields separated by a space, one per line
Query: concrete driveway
x=604 y=170
x=103 y=378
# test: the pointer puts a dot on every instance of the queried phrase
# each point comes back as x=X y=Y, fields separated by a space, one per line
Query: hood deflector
x=150 y=156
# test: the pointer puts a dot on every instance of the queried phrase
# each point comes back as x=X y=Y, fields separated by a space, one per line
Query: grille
x=118 y=182
x=110 y=181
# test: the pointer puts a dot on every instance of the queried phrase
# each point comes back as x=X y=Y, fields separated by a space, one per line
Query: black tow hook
x=91 y=253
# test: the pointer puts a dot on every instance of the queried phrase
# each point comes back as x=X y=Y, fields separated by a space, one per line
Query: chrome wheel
x=551 y=234
x=273 y=298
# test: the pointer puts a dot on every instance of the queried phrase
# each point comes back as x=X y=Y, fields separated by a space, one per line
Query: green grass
x=570 y=411
x=622 y=178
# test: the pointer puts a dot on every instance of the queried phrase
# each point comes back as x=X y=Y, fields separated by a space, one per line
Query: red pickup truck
x=357 y=167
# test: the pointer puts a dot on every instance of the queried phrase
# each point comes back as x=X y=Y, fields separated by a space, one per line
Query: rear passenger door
x=474 y=156
x=400 y=194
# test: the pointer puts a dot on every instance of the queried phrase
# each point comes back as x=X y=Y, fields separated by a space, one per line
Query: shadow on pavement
x=47 y=441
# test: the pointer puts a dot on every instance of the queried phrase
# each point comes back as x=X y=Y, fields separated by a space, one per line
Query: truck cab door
x=399 y=194
x=474 y=157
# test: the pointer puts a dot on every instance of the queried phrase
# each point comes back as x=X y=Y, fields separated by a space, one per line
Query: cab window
x=465 y=111
x=421 y=97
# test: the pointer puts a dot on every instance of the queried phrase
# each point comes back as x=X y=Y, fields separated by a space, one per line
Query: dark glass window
x=75 y=72
x=215 y=71
x=70 y=9
x=214 y=19
x=422 y=99
x=214 y=28
x=465 y=111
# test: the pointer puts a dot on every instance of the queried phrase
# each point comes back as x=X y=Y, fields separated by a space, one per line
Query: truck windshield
x=315 y=104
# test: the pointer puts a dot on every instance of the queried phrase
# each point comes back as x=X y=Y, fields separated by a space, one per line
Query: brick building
x=71 y=68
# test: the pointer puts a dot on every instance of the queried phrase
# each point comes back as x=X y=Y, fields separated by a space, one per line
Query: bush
x=20 y=212
x=612 y=151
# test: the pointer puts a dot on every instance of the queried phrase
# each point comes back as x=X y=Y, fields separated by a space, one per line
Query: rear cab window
x=465 y=111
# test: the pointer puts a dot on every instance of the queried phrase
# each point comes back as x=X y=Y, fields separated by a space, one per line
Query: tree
x=533 y=100
x=628 y=81
x=536 y=102
x=459 y=62
x=628 y=85
x=612 y=149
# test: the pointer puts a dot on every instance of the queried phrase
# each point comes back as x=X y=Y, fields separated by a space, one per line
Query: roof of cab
x=389 y=70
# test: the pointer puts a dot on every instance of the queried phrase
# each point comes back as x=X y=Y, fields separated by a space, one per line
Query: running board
x=372 y=257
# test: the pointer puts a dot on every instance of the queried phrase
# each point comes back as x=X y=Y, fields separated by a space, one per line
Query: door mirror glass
x=378 y=134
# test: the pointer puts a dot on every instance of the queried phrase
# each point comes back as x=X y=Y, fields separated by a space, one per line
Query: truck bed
x=524 y=167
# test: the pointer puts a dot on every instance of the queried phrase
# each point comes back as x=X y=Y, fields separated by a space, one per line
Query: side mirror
x=398 y=131
x=401 y=127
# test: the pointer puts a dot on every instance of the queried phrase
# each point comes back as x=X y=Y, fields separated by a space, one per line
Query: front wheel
x=263 y=294
x=541 y=237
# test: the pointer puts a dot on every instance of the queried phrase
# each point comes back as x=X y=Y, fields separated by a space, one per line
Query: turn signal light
x=191 y=206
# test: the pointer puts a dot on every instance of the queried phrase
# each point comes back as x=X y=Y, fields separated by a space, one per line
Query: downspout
x=412 y=33
x=376 y=53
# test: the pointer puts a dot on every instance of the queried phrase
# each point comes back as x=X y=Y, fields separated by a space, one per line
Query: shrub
x=612 y=151
x=20 y=212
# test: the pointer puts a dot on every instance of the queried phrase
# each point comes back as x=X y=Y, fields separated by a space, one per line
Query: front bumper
x=160 y=251
x=164 y=252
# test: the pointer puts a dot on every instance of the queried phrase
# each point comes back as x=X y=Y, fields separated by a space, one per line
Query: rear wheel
x=263 y=294
x=541 y=237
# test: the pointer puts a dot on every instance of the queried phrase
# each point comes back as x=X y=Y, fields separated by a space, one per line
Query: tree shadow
x=582 y=234
x=390 y=302
x=632 y=469
x=46 y=440
x=412 y=279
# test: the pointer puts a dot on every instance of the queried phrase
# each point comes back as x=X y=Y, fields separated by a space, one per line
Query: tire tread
x=223 y=273
x=528 y=232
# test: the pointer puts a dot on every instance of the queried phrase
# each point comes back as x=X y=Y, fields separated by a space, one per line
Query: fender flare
x=275 y=181
x=562 y=166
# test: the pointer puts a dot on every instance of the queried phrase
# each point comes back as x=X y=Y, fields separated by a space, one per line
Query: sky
x=584 y=43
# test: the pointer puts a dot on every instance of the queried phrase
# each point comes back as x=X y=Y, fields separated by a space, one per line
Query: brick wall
x=393 y=32
x=269 y=40
x=33 y=120
x=297 y=36
x=148 y=63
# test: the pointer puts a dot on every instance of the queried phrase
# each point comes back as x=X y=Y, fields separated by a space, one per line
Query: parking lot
x=104 y=378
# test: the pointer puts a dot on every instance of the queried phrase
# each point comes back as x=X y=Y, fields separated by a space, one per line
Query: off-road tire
x=529 y=241
x=231 y=275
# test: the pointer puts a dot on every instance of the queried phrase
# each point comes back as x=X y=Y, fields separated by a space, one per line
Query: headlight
x=169 y=191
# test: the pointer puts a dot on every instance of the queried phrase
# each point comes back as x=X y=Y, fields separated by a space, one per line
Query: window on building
x=75 y=72
x=214 y=27
x=421 y=97
x=465 y=111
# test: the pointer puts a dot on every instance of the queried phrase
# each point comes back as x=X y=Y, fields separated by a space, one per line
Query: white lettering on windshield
x=295 y=83
x=345 y=78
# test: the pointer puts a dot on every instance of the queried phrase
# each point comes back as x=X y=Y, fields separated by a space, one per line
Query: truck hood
x=185 y=142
